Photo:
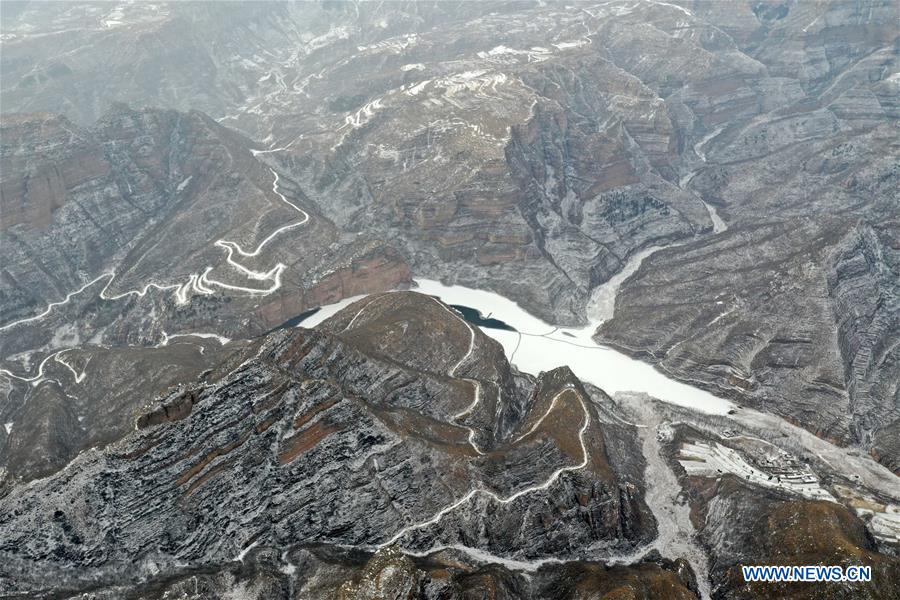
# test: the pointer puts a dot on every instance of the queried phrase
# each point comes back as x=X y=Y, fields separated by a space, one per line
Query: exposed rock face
x=98 y=193
x=753 y=503
x=332 y=574
x=91 y=396
x=753 y=328
x=185 y=56
x=495 y=151
x=507 y=142
x=777 y=317
x=785 y=532
x=530 y=148
x=790 y=532
x=389 y=574
x=864 y=283
x=358 y=433
x=41 y=189
x=531 y=164
x=796 y=318
x=515 y=146
x=393 y=452
x=153 y=221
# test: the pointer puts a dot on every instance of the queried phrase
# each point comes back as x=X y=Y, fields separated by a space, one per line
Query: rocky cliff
x=513 y=146
x=725 y=171
x=755 y=506
x=153 y=221
x=395 y=422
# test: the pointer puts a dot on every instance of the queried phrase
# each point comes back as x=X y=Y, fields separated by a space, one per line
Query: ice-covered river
x=536 y=346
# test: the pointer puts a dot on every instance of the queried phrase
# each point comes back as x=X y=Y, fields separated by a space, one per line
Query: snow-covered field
x=712 y=459
x=883 y=518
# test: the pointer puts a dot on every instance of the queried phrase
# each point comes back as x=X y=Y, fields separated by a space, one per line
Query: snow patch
x=714 y=459
x=567 y=45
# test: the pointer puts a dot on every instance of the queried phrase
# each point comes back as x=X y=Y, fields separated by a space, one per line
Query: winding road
x=199 y=283
x=477 y=385
x=479 y=491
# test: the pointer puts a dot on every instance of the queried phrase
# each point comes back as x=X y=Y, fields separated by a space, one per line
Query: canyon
x=448 y=299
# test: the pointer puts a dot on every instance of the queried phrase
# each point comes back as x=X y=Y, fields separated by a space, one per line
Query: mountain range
x=218 y=376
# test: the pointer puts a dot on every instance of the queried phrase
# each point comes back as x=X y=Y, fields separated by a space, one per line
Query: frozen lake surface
x=537 y=346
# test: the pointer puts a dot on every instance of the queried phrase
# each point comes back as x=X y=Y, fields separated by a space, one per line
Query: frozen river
x=536 y=346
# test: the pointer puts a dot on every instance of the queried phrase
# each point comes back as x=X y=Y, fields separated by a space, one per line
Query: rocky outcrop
x=40 y=189
x=793 y=533
x=158 y=221
x=532 y=160
x=755 y=504
x=390 y=574
x=864 y=284
x=750 y=328
x=794 y=318
x=128 y=196
x=394 y=423
x=788 y=532
x=513 y=146
x=89 y=396
x=524 y=148
x=334 y=574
